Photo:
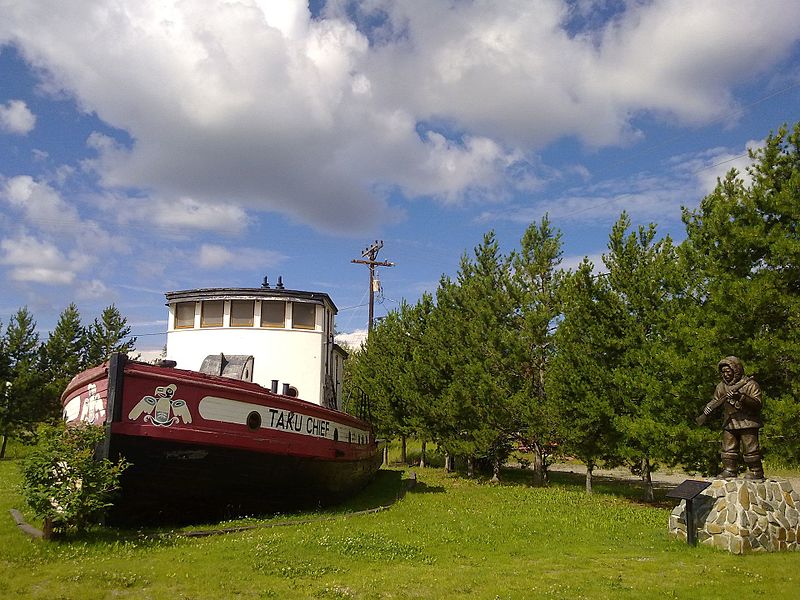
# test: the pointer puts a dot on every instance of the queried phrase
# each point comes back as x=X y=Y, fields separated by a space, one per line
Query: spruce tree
x=24 y=401
x=535 y=287
x=5 y=383
x=645 y=275
x=378 y=371
x=743 y=247
x=421 y=374
x=108 y=334
x=478 y=313
x=580 y=380
x=64 y=353
x=66 y=345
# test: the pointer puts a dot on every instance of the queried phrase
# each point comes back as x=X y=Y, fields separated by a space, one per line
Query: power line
x=719 y=119
x=631 y=194
x=354 y=306
x=671 y=139
x=60 y=223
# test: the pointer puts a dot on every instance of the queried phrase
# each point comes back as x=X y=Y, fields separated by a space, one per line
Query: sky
x=158 y=145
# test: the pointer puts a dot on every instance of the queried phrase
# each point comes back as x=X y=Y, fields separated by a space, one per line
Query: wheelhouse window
x=273 y=313
x=304 y=315
x=242 y=312
x=211 y=313
x=184 y=315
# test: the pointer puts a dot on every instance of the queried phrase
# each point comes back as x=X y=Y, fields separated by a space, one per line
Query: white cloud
x=16 y=117
x=43 y=208
x=453 y=168
x=150 y=355
x=710 y=166
x=645 y=197
x=184 y=215
x=666 y=56
x=511 y=71
x=255 y=105
x=213 y=256
x=572 y=263
x=352 y=339
x=42 y=205
x=36 y=261
x=92 y=289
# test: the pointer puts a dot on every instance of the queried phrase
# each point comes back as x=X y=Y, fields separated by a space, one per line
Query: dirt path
x=664 y=478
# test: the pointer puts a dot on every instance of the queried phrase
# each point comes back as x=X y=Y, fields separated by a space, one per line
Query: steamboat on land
x=243 y=417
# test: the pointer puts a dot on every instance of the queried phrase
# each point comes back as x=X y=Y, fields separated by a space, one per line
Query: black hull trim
x=174 y=483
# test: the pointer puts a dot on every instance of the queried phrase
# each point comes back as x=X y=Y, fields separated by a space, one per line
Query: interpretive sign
x=689 y=490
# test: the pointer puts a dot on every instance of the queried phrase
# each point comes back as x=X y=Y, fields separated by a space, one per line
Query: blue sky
x=156 y=145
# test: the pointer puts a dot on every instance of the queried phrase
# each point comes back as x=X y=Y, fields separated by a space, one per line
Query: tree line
x=609 y=364
x=33 y=374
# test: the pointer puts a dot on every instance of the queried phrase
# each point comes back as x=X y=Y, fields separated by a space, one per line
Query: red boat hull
x=206 y=447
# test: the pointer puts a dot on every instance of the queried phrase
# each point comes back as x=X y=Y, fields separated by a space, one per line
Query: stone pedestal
x=743 y=516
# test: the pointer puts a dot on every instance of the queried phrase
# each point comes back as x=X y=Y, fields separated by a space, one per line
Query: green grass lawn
x=449 y=537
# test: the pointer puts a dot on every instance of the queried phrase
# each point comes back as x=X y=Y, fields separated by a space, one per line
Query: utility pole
x=370 y=253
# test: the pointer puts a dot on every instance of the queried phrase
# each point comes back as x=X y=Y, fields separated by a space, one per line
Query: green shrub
x=64 y=483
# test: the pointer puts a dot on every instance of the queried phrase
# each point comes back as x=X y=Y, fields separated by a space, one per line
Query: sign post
x=689 y=490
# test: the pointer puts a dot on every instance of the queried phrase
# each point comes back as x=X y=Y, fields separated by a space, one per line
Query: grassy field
x=449 y=537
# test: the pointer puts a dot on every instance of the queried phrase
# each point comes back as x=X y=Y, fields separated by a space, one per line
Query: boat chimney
x=274 y=386
x=265 y=284
x=285 y=390
x=279 y=285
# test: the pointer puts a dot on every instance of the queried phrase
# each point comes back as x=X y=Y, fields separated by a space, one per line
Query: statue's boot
x=755 y=470
x=730 y=464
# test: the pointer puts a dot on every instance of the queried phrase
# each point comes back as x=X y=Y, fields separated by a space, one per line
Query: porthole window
x=184 y=315
x=304 y=315
x=242 y=312
x=273 y=313
x=254 y=420
x=211 y=313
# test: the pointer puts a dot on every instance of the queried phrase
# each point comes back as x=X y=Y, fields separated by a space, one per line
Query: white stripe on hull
x=223 y=410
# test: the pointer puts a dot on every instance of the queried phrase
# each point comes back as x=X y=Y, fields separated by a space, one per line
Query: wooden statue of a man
x=741 y=398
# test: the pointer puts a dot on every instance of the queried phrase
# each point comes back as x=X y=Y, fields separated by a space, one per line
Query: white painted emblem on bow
x=162 y=409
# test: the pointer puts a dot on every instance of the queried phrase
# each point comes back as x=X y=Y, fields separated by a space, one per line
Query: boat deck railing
x=357 y=403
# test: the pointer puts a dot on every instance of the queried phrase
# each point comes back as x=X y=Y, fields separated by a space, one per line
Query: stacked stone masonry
x=743 y=516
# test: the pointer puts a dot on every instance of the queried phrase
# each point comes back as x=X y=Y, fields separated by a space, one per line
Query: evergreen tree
x=5 y=359
x=743 y=245
x=478 y=312
x=22 y=341
x=5 y=383
x=110 y=333
x=645 y=275
x=23 y=404
x=378 y=370
x=536 y=283
x=416 y=389
x=66 y=345
x=423 y=377
x=64 y=353
x=580 y=382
